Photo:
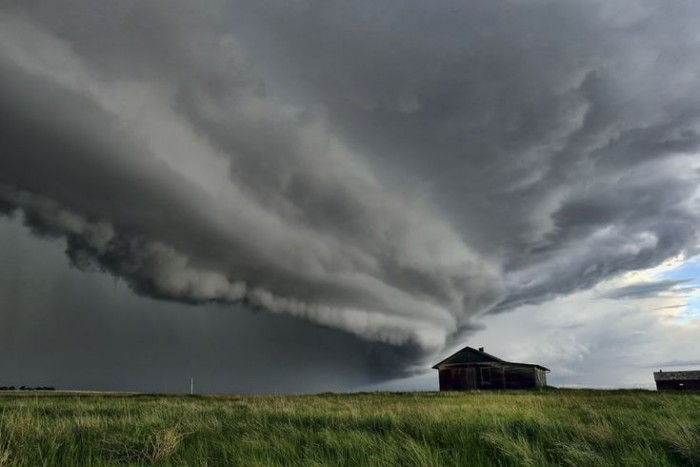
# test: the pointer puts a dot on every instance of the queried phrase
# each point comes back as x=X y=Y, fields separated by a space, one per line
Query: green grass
x=557 y=427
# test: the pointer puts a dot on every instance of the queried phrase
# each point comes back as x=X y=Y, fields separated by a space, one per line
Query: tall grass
x=564 y=427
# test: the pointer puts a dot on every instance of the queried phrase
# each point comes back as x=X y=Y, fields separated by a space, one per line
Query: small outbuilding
x=677 y=380
x=471 y=369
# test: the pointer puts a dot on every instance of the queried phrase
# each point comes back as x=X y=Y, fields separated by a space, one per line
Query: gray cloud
x=674 y=363
x=589 y=342
x=393 y=171
x=64 y=328
x=649 y=289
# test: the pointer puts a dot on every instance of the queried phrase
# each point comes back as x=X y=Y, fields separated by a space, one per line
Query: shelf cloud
x=393 y=170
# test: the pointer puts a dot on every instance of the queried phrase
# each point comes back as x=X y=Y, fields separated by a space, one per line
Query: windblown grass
x=561 y=427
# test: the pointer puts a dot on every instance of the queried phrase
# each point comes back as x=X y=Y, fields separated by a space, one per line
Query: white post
x=191 y=385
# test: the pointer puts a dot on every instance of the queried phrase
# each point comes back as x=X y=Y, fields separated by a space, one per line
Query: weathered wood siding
x=540 y=378
x=458 y=379
x=677 y=380
x=689 y=385
x=490 y=377
x=520 y=378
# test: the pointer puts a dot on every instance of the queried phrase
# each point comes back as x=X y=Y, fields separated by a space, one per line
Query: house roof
x=677 y=375
x=469 y=355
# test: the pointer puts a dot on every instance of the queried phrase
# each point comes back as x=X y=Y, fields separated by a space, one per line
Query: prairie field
x=553 y=427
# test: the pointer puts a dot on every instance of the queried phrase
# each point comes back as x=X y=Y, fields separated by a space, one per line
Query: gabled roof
x=677 y=375
x=470 y=355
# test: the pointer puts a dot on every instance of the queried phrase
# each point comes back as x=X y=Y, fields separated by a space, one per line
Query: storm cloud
x=392 y=170
x=650 y=289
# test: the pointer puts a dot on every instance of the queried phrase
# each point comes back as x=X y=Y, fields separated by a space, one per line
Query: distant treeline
x=27 y=388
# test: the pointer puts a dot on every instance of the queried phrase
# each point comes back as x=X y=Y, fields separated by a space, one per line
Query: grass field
x=556 y=427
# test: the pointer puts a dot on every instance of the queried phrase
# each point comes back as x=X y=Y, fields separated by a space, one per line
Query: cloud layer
x=394 y=171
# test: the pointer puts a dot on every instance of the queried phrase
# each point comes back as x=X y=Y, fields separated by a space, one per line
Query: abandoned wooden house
x=677 y=380
x=471 y=369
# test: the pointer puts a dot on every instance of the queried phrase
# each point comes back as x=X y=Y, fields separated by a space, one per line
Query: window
x=486 y=376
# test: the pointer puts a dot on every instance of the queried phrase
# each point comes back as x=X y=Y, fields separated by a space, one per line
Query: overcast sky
x=318 y=195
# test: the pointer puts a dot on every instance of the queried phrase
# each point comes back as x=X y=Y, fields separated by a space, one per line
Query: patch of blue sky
x=689 y=269
x=692 y=310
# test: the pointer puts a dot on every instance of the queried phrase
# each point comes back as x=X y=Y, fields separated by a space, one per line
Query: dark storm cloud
x=63 y=328
x=391 y=170
x=6 y=208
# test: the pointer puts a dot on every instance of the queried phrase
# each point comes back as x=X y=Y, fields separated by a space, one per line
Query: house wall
x=540 y=378
x=521 y=378
x=679 y=385
x=677 y=380
x=458 y=379
x=490 y=377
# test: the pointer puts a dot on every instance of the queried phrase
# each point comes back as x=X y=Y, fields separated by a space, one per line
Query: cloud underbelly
x=139 y=192
x=392 y=172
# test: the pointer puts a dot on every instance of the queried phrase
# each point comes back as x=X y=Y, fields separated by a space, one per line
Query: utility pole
x=191 y=385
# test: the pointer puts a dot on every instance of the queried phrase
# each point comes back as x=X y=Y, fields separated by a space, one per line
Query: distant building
x=677 y=380
x=471 y=369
